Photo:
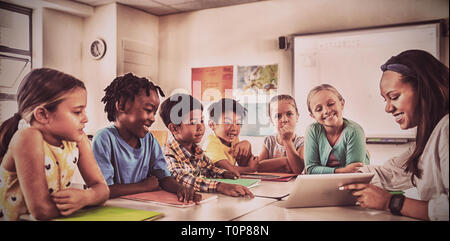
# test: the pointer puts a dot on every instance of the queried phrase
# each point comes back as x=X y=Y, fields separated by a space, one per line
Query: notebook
x=241 y=181
x=166 y=198
x=108 y=213
x=270 y=176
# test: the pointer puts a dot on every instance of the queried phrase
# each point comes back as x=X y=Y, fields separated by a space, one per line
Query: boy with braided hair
x=130 y=157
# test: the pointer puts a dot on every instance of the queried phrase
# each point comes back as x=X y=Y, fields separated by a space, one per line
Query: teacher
x=415 y=87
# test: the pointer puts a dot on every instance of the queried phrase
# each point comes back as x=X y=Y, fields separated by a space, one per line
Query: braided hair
x=125 y=88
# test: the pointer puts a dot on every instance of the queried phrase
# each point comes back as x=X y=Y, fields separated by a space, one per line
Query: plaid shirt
x=191 y=170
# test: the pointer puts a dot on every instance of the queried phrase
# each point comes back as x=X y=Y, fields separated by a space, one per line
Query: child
x=333 y=144
x=129 y=157
x=40 y=147
x=283 y=152
x=223 y=147
x=183 y=116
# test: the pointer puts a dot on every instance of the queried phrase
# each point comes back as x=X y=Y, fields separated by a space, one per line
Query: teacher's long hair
x=431 y=83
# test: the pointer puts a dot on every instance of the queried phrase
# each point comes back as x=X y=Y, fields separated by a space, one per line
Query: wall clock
x=97 y=48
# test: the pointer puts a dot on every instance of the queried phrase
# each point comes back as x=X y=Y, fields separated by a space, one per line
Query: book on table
x=109 y=213
x=249 y=183
x=270 y=176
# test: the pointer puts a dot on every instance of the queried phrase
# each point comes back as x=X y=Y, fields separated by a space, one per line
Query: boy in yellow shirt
x=226 y=117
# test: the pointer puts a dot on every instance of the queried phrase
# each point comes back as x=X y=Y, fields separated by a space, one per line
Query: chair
x=160 y=135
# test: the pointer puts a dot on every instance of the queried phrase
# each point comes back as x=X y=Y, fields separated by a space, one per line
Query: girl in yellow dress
x=40 y=147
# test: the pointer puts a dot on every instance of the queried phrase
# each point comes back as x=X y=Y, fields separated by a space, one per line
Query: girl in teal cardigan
x=333 y=144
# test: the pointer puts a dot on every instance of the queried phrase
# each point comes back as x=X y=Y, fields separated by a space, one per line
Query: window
x=15 y=54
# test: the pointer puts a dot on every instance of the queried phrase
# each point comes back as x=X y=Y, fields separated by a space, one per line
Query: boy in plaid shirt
x=183 y=116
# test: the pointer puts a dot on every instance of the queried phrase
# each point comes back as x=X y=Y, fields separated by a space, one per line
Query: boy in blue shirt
x=130 y=157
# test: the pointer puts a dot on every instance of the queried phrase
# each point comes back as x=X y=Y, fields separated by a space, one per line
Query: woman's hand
x=369 y=195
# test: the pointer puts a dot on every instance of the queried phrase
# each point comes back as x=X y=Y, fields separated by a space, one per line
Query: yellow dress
x=60 y=164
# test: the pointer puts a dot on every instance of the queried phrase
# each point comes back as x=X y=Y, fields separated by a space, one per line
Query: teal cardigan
x=351 y=147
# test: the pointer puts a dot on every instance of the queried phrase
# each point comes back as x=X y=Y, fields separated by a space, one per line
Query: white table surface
x=224 y=208
x=273 y=189
x=277 y=212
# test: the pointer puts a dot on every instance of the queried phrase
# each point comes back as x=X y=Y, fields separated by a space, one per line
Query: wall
x=238 y=35
x=97 y=74
x=146 y=32
x=62 y=46
x=67 y=48
x=243 y=34
x=248 y=34
x=38 y=6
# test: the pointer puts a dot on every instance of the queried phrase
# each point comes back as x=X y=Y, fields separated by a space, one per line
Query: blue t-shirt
x=121 y=163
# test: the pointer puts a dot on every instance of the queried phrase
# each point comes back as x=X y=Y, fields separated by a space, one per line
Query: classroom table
x=277 y=212
x=226 y=208
x=273 y=189
x=223 y=208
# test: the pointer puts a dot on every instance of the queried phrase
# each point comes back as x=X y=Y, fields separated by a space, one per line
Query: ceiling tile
x=165 y=7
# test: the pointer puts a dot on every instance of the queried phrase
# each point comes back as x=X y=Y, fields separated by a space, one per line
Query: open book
x=270 y=176
x=166 y=198
x=241 y=181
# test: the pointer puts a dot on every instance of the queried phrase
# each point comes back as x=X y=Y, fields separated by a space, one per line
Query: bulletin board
x=350 y=61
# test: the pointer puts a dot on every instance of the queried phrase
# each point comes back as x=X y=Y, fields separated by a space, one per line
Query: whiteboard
x=350 y=61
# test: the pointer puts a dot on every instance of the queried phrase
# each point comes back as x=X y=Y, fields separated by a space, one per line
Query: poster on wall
x=257 y=79
x=256 y=84
x=212 y=83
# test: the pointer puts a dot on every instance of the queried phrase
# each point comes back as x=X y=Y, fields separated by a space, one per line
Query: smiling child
x=129 y=156
x=333 y=144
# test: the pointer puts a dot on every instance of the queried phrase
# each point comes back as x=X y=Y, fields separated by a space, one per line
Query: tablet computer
x=320 y=190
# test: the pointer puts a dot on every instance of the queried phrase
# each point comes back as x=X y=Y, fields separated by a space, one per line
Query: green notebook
x=241 y=181
x=107 y=213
